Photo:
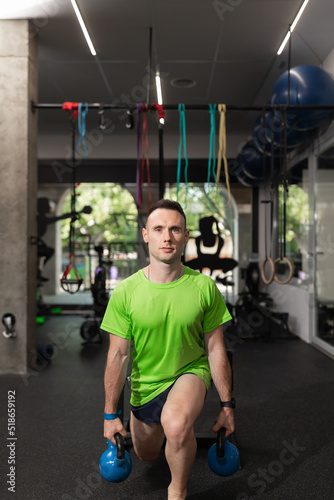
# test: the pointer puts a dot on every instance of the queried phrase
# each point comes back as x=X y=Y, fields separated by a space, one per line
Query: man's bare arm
x=114 y=379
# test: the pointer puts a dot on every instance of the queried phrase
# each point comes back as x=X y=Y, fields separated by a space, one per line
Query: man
x=174 y=316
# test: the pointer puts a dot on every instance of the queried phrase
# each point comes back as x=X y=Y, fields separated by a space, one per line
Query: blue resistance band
x=82 y=128
x=212 y=152
x=182 y=129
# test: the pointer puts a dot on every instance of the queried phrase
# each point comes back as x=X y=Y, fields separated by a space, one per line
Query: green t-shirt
x=166 y=323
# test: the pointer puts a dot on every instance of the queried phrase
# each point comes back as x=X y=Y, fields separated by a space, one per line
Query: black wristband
x=228 y=404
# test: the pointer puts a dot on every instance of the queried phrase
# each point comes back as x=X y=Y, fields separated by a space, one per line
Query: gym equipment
x=294 y=137
x=283 y=261
x=223 y=456
x=71 y=279
x=212 y=154
x=71 y=284
x=222 y=151
x=254 y=165
x=9 y=320
x=82 y=129
x=269 y=128
x=268 y=259
x=115 y=463
x=182 y=142
x=254 y=312
x=262 y=133
x=90 y=328
x=304 y=86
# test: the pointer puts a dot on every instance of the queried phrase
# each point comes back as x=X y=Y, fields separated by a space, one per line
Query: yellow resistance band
x=222 y=151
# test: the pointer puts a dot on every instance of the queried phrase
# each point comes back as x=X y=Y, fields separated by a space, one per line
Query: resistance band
x=160 y=109
x=222 y=151
x=183 y=142
x=212 y=154
x=82 y=128
x=71 y=106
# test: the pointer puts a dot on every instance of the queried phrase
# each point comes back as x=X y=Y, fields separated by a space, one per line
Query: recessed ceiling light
x=183 y=83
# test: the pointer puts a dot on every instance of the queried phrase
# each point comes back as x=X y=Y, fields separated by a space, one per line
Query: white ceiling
x=228 y=47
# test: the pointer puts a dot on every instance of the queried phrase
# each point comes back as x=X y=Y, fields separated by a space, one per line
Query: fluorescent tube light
x=158 y=86
x=159 y=92
x=293 y=25
x=83 y=27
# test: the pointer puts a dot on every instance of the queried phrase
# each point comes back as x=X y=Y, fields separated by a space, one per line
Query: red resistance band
x=160 y=109
x=69 y=106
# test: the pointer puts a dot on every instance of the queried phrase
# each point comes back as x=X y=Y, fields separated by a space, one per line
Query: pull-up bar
x=194 y=107
x=101 y=107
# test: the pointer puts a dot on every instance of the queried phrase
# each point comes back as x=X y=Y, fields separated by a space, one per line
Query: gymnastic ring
x=272 y=273
x=283 y=282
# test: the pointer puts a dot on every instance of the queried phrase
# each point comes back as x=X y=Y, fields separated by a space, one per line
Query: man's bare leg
x=147 y=439
x=183 y=406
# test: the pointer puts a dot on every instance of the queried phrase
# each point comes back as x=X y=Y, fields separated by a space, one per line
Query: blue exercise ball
x=309 y=86
x=247 y=181
x=280 y=130
x=254 y=164
x=262 y=136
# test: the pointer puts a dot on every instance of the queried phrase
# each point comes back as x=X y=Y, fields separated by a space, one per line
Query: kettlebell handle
x=120 y=446
x=220 y=448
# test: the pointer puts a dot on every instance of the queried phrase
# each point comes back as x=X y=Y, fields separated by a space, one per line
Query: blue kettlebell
x=223 y=456
x=115 y=463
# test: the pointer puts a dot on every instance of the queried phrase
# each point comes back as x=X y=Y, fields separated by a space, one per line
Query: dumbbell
x=223 y=456
x=115 y=463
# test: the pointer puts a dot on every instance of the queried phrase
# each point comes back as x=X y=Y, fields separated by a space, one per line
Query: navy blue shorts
x=150 y=413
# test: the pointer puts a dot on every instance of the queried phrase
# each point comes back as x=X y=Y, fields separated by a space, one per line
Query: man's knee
x=177 y=429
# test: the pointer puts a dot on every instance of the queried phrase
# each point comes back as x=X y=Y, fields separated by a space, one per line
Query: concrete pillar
x=18 y=181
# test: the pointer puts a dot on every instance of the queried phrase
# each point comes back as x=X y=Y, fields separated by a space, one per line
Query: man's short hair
x=169 y=205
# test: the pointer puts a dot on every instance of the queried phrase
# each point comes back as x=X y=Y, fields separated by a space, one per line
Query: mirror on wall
x=324 y=247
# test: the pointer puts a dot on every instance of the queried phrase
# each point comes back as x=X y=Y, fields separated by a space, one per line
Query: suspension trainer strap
x=68 y=283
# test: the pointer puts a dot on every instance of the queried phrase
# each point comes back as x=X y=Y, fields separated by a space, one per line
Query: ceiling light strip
x=159 y=93
x=158 y=86
x=83 y=27
x=293 y=25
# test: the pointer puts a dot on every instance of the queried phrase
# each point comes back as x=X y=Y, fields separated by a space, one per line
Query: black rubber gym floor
x=284 y=422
